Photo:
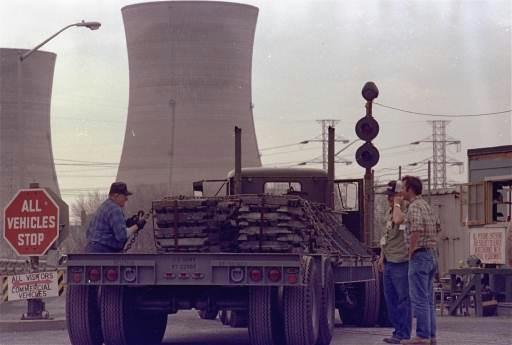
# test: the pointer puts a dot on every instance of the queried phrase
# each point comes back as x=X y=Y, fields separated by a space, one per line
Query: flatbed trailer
x=277 y=262
x=281 y=298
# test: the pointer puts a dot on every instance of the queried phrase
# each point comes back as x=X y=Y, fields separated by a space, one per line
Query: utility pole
x=326 y=123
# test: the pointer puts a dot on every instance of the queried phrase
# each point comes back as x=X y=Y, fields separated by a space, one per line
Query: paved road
x=186 y=328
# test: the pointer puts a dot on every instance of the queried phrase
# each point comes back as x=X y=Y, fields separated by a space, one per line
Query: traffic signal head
x=367 y=128
x=370 y=91
x=367 y=156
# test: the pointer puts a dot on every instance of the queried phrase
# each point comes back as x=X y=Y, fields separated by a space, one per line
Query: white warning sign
x=488 y=244
x=32 y=285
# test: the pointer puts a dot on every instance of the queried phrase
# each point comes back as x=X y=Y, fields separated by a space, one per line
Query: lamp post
x=36 y=306
x=89 y=25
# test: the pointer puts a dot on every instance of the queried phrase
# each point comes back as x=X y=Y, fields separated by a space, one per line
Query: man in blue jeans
x=394 y=262
x=421 y=231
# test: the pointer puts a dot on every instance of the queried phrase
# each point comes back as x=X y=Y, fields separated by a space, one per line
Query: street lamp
x=89 y=25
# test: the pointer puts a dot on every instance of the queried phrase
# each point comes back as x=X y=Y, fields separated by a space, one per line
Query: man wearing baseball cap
x=394 y=262
x=107 y=231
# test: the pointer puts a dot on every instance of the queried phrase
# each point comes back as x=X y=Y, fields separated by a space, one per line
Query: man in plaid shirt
x=108 y=231
x=422 y=228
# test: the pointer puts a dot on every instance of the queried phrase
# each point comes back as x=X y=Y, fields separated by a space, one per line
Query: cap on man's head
x=391 y=189
x=119 y=188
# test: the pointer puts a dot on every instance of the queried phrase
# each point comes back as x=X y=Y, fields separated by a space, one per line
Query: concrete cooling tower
x=25 y=136
x=190 y=85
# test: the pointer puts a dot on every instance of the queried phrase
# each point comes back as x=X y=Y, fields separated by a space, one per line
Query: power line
x=443 y=115
x=285 y=145
x=289 y=151
x=91 y=162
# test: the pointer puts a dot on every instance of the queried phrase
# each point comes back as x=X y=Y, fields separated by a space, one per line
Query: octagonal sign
x=31 y=222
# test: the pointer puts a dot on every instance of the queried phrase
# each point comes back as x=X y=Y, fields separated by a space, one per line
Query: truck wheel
x=225 y=316
x=366 y=311
x=123 y=324
x=208 y=314
x=83 y=315
x=239 y=319
x=302 y=307
x=265 y=324
x=372 y=299
x=327 y=309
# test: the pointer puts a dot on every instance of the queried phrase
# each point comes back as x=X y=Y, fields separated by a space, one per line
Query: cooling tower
x=25 y=136
x=190 y=85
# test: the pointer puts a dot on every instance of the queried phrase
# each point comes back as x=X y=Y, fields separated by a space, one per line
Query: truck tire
x=239 y=319
x=265 y=323
x=83 y=315
x=372 y=299
x=208 y=314
x=302 y=307
x=225 y=317
x=328 y=308
x=123 y=324
x=367 y=309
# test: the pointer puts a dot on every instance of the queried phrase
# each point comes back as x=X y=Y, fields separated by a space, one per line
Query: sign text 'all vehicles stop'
x=31 y=222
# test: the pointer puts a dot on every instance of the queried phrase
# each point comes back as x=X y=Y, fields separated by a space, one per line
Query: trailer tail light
x=292 y=278
x=184 y=276
x=170 y=275
x=94 y=274
x=274 y=274
x=197 y=276
x=129 y=274
x=256 y=274
x=111 y=274
x=292 y=275
x=236 y=274
x=76 y=275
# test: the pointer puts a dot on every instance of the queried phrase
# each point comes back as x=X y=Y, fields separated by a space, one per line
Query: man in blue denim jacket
x=421 y=227
x=107 y=231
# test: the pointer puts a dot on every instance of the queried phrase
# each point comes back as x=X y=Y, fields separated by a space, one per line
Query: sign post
x=31 y=226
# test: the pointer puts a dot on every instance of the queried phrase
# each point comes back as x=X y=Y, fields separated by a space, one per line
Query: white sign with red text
x=32 y=285
x=488 y=244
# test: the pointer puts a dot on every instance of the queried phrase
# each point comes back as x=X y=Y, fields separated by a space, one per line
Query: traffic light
x=367 y=129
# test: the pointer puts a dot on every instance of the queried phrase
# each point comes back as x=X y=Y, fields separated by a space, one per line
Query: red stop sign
x=31 y=222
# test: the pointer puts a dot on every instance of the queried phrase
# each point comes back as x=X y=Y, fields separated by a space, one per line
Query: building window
x=486 y=202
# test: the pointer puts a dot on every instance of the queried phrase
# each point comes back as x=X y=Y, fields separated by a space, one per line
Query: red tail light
x=255 y=274
x=274 y=274
x=184 y=276
x=197 y=275
x=77 y=277
x=292 y=278
x=94 y=274
x=111 y=274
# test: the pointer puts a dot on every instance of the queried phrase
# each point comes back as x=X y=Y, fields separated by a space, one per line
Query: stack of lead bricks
x=272 y=224
x=184 y=225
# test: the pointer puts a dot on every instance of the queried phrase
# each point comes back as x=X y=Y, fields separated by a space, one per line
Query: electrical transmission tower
x=326 y=123
x=440 y=160
x=439 y=153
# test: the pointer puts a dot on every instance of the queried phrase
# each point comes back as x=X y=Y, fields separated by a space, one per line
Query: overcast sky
x=311 y=59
